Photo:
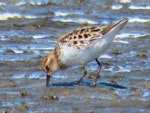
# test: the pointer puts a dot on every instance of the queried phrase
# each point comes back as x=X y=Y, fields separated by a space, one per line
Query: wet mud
x=30 y=29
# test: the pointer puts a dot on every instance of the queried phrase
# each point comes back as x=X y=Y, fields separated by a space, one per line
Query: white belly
x=72 y=56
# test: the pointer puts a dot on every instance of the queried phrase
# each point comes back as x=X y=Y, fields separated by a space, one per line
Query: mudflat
x=29 y=30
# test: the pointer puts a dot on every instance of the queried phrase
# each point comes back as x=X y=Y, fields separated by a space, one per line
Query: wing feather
x=82 y=38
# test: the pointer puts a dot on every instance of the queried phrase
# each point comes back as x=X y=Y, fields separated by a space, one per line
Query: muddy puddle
x=29 y=30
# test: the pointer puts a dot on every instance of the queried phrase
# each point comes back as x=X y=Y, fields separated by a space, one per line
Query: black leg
x=85 y=72
x=98 y=71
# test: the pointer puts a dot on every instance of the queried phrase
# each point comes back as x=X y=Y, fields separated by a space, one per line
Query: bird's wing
x=82 y=38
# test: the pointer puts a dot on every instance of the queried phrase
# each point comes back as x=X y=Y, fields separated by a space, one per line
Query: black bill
x=47 y=80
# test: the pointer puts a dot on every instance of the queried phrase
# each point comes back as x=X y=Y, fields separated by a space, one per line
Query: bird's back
x=88 y=43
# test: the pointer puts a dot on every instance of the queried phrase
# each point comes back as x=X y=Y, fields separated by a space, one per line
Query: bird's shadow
x=87 y=83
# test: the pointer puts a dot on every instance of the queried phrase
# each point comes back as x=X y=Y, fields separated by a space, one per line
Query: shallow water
x=29 y=30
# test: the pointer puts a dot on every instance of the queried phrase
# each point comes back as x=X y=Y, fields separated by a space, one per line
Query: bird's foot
x=93 y=84
x=78 y=82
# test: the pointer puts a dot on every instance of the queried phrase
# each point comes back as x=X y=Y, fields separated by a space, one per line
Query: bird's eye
x=47 y=68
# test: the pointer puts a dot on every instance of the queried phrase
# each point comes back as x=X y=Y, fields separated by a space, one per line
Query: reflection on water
x=29 y=29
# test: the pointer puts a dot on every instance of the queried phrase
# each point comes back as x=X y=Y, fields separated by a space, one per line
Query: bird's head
x=50 y=65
